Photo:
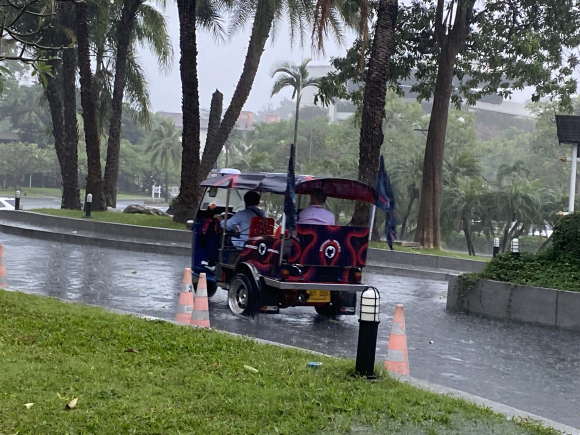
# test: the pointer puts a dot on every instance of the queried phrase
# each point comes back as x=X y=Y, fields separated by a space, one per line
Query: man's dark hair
x=252 y=198
x=319 y=196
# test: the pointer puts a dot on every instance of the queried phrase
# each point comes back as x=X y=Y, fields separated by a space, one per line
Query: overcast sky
x=220 y=65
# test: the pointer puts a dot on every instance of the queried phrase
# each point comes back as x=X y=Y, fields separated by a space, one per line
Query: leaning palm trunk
x=126 y=24
x=371 y=133
x=94 y=178
x=263 y=20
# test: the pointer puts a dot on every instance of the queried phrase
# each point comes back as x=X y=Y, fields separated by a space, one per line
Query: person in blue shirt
x=240 y=222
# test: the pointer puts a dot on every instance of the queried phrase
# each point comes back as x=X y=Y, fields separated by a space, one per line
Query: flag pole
x=372 y=221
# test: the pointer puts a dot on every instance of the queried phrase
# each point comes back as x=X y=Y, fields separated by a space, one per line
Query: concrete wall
x=132 y=231
x=537 y=305
x=423 y=260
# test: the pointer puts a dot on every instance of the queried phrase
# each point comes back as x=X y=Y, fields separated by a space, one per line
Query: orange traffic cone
x=397 y=356
x=185 y=303
x=200 y=313
x=3 y=282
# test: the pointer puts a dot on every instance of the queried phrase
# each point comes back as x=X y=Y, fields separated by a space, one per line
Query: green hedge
x=557 y=267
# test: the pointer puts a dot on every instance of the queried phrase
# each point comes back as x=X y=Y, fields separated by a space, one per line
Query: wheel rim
x=238 y=297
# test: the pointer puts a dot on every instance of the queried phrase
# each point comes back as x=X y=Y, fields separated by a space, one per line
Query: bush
x=557 y=267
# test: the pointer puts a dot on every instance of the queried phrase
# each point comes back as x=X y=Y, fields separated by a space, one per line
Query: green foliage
x=558 y=267
x=132 y=375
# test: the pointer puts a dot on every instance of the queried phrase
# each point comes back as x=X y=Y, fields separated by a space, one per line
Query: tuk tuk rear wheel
x=326 y=310
x=243 y=296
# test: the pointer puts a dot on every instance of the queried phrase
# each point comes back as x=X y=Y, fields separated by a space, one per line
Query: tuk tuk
x=315 y=265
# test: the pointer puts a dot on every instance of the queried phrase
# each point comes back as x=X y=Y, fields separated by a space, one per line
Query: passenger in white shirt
x=315 y=213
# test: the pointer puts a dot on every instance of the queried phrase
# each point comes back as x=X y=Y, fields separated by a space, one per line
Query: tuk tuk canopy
x=305 y=184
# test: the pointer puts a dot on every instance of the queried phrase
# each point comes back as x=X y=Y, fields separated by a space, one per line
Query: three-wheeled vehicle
x=316 y=265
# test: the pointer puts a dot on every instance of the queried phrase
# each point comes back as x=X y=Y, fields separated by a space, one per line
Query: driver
x=241 y=220
x=315 y=214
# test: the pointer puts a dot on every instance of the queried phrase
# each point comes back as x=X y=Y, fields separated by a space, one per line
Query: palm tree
x=94 y=184
x=297 y=78
x=254 y=161
x=139 y=22
x=165 y=145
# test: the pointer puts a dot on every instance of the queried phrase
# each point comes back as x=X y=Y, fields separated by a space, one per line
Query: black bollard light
x=367 y=333
x=17 y=200
x=88 y=204
x=515 y=247
x=495 y=246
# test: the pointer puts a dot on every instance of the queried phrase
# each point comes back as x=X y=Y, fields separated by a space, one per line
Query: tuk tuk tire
x=243 y=303
x=211 y=288
x=326 y=310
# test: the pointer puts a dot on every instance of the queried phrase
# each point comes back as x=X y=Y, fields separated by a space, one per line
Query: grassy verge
x=53 y=191
x=151 y=377
x=440 y=252
x=118 y=218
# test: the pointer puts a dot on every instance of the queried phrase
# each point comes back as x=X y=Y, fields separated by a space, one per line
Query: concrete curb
x=401 y=270
x=139 y=246
x=519 y=303
x=508 y=411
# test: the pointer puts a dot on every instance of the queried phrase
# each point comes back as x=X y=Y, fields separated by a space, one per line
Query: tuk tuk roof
x=305 y=184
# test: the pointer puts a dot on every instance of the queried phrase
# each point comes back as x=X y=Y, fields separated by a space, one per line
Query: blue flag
x=384 y=198
x=290 y=197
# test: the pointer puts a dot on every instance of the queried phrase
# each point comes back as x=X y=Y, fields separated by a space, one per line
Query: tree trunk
x=414 y=194
x=70 y=176
x=125 y=31
x=166 y=179
x=64 y=130
x=470 y=248
x=371 y=133
x=188 y=192
x=264 y=17
x=296 y=118
x=94 y=178
x=427 y=232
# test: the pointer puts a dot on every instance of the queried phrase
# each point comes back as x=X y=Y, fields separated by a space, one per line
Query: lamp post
x=88 y=204
x=367 y=333
x=17 y=200
x=568 y=129
x=515 y=247
x=495 y=246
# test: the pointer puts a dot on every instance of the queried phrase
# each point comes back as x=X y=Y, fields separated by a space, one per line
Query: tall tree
x=187 y=197
x=60 y=91
x=373 y=108
x=297 y=78
x=164 y=145
x=94 y=184
x=265 y=14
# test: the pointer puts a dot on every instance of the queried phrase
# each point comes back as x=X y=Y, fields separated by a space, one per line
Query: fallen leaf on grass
x=72 y=403
x=252 y=369
x=28 y=405
x=131 y=350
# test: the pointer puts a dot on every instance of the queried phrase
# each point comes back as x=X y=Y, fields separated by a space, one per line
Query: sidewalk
x=178 y=242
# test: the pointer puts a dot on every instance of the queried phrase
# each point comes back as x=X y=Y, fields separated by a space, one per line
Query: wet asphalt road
x=535 y=369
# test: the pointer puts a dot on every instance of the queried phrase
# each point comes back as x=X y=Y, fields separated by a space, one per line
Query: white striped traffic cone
x=397 y=356
x=200 y=313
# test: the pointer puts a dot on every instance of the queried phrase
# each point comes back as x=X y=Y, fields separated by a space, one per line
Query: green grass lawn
x=136 y=376
x=440 y=252
x=50 y=191
x=117 y=218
